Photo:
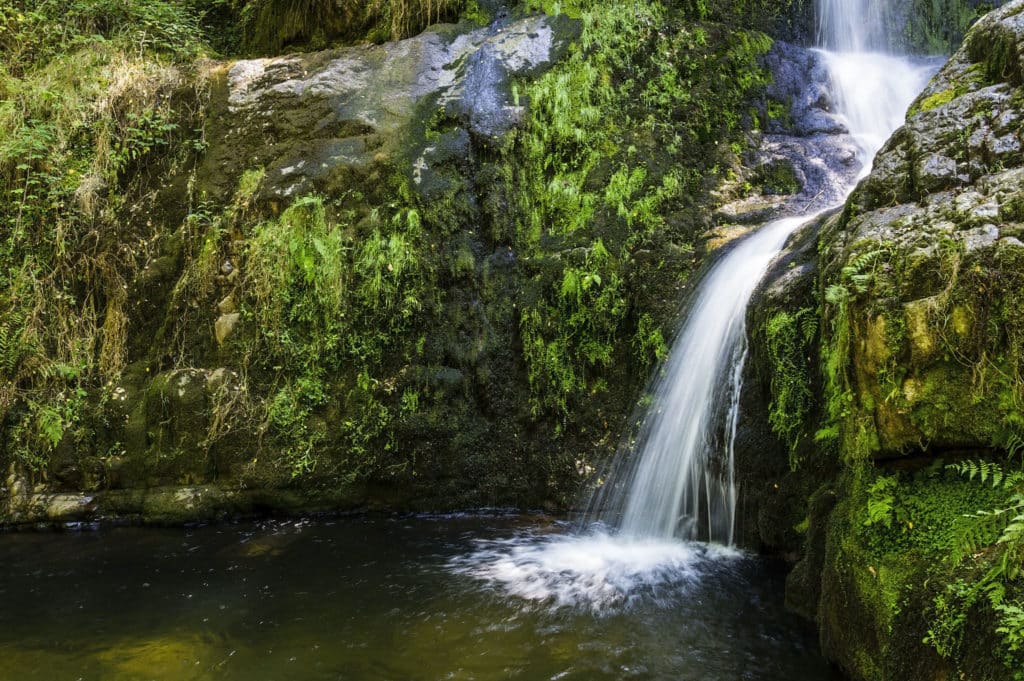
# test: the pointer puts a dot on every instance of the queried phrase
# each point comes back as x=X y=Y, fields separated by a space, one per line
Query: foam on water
x=595 y=571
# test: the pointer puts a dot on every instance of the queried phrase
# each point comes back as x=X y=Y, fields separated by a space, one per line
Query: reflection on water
x=458 y=597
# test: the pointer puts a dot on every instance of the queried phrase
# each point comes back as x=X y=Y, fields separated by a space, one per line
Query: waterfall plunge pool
x=404 y=599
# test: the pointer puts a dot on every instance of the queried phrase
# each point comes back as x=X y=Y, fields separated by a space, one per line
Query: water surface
x=381 y=599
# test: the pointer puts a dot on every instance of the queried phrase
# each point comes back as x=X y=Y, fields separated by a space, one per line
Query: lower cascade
x=674 y=483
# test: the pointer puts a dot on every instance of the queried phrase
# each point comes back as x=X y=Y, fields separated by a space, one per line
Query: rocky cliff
x=887 y=347
x=431 y=273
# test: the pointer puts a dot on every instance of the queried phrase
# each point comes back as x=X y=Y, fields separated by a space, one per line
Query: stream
x=380 y=599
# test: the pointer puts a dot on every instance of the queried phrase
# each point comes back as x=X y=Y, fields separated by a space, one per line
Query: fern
x=855 y=271
x=836 y=294
x=1003 y=525
x=999 y=534
x=11 y=347
x=808 y=326
x=988 y=471
x=1011 y=625
x=882 y=501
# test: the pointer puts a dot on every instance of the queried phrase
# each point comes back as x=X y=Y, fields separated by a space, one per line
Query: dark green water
x=384 y=599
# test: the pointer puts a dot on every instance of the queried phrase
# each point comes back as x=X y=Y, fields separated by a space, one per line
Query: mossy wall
x=472 y=331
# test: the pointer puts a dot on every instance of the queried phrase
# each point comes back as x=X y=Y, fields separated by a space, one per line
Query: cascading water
x=669 y=488
x=855 y=25
x=675 y=481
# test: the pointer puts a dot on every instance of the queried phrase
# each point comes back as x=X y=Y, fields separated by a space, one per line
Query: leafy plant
x=789 y=339
x=1003 y=561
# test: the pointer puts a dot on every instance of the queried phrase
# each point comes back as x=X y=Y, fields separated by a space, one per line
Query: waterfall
x=676 y=479
x=669 y=488
x=855 y=25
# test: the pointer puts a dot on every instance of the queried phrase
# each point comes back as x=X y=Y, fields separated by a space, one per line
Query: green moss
x=937 y=100
x=789 y=338
x=894 y=541
x=777 y=177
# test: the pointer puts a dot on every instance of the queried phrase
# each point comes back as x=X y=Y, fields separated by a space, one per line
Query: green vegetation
x=274 y=26
x=939 y=26
x=615 y=143
x=93 y=102
x=904 y=547
x=790 y=338
x=989 y=555
x=160 y=335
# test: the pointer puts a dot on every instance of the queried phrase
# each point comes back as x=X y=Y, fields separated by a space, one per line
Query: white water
x=672 y=487
x=676 y=481
x=854 y=25
x=596 y=571
x=873 y=91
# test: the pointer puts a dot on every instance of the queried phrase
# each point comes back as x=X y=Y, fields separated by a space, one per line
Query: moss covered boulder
x=923 y=270
x=905 y=457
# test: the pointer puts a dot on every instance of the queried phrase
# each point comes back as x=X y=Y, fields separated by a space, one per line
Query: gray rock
x=980 y=237
x=313 y=119
x=935 y=172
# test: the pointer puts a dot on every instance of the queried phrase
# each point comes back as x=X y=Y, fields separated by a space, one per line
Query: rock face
x=885 y=349
x=418 y=275
x=324 y=121
x=925 y=263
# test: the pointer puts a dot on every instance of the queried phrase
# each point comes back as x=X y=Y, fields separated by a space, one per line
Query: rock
x=935 y=172
x=225 y=326
x=69 y=507
x=221 y=378
x=314 y=120
x=921 y=281
x=227 y=305
x=939 y=237
x=807 y=153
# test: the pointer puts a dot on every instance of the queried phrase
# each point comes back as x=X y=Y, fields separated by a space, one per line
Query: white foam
x=597 y=572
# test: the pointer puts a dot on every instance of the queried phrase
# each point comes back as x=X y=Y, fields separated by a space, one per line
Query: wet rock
x=800 y=92
x=806 y=154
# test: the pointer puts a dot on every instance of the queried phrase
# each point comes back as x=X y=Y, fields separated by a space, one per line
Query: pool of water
x=405 y=599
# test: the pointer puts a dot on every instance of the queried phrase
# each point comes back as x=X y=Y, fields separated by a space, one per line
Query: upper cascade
x=855 y=25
